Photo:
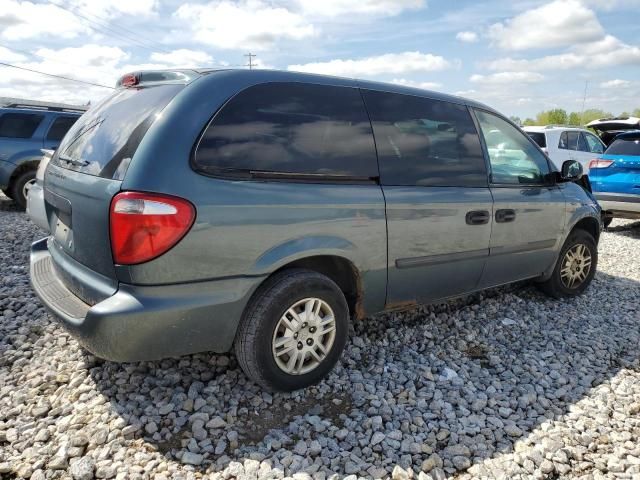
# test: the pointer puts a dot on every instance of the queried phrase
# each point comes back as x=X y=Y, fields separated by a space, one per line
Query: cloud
x=507 y=78
x=606 y=52
x=115 y=8
x=411 y=83
x=617 y=83
x=248 y=25
x=557 y=24
x=24 y=20
x=7 y=55
x=390 y=63
x=467 y=37
x=183 y=58
x=334 y=8
x=94 y=63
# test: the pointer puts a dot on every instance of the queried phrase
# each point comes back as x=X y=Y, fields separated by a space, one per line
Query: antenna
x=250 y=56
x=584 y=100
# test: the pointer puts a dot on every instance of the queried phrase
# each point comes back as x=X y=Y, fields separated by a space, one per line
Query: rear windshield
x=103 y=141
x=539 y=138
x=621 y=146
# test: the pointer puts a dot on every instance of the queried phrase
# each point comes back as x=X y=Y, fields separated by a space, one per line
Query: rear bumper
x=619 y=203
x=145 y=322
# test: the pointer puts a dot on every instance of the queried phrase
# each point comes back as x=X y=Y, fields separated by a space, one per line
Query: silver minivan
x=262 y=211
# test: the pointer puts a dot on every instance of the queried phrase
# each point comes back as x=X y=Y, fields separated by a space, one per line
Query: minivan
x=262 y=211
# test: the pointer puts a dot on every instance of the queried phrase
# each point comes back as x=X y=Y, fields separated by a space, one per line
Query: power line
x=35 y=54
x=136 y=35
x=106 y=29
x=56 y=76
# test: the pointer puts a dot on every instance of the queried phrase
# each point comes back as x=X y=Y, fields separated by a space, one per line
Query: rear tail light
x=598 y=163
x=146 y=225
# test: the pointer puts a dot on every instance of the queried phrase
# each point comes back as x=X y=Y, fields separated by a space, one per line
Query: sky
x=519 y=56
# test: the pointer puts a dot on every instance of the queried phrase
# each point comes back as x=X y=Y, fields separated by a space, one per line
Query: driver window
x=514 y=159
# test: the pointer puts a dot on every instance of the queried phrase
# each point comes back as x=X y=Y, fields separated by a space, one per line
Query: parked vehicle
x=616 y=177
x=35 y=194
x=563 y=143
x=24 y=131
x=609 y=128
x=261 y=210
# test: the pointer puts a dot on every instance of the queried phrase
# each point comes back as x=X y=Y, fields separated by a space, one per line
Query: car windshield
x=623 y=146
x=539 y=138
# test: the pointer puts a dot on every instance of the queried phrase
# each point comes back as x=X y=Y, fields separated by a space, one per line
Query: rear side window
x=60 y=127
x=19 y=125
x=624 y=147
x=290 y=128
x=425 y=142
x=539 y=138
x=103 y=141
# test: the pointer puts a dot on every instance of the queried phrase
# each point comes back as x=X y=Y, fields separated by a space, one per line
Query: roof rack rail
x=52 y=108
x=554 y=125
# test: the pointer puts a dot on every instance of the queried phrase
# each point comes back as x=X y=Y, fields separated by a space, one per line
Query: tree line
x=559 y=116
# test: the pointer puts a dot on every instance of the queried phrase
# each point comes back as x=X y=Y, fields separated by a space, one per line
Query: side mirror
x=571 y=171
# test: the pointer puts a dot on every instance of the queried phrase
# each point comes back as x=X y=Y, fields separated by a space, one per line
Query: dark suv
x=25 y=130
x=262 y=210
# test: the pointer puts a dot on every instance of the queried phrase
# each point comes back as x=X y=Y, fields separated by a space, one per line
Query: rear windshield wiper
x=77 y=163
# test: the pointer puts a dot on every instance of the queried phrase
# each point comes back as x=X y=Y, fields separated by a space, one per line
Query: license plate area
x=60 y=223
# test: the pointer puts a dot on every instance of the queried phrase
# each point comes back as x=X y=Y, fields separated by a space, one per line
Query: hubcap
x=27 y=186
x=304 y=336
x=576 y=266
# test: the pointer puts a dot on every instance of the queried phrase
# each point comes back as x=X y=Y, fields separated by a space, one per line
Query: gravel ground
x=508 y=384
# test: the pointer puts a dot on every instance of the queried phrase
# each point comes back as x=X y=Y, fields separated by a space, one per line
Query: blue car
x=615 y=177
x=26 y=129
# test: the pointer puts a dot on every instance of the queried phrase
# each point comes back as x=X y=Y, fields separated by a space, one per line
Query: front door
x=529 y=211
x=439 y=207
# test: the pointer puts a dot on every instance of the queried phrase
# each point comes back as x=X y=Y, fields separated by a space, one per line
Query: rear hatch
x=609 y=128
x=618 y=170
x=87 y=170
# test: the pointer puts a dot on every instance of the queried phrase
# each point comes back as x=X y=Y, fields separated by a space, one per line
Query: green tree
x=574 y=119
x=594 y=114
x=515 y=120
x=558 y=116
x=636 y=112
x=528 y=122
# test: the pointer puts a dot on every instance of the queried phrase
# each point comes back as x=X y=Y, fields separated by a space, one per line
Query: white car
x=35 y=194
x=567 y=143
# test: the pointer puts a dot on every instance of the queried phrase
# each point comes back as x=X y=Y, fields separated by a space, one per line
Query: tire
x=558 y=287
x=17 y=187
x=262 y=326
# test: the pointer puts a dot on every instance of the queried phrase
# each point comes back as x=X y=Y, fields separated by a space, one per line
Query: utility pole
x=250 y=56
x=584 y=100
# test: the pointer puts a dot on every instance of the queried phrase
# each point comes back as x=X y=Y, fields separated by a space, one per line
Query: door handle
x=505 y=215
x=477 y=217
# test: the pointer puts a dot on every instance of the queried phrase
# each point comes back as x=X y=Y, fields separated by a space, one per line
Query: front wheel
x=575 y=267
x=293 y=330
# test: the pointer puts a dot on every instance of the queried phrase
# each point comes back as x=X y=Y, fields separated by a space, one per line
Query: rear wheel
x=293 y=330
x=20 y=187
x=575 y=267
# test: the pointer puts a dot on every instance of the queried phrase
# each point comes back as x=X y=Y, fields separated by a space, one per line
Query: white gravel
x=506 y=384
